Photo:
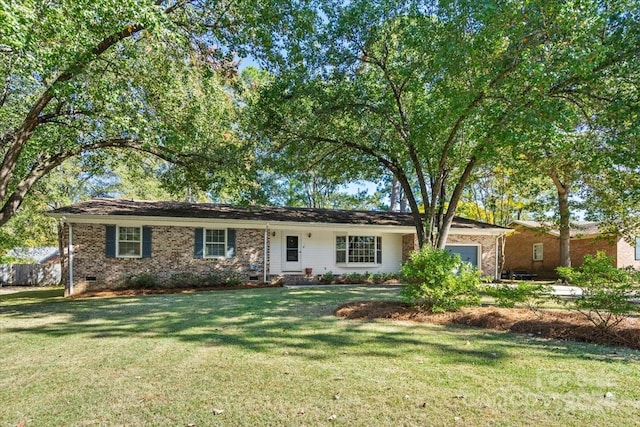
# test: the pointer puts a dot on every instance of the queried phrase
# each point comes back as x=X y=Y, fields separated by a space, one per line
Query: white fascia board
x=212 y=222
x=256 y=224
x=478 y=232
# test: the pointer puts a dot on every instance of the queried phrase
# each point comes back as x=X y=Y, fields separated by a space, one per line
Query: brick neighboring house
x=535 y=248
x=108 y=239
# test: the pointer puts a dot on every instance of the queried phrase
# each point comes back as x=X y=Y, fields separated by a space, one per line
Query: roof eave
x=257 y=223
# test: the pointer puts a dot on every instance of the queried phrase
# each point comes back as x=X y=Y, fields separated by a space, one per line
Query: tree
x=612 y=197
x=502 y=191
x=430 y=90
x=573 y=132
x=78 y=76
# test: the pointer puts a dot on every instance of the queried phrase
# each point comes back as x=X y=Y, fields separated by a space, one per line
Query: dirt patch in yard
x=555 y=324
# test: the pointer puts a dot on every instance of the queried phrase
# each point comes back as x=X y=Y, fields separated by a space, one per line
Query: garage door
x=467 y=253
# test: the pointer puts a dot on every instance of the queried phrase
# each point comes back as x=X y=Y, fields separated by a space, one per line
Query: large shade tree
x=155 y=76
x=429 y=90
x=576 y=133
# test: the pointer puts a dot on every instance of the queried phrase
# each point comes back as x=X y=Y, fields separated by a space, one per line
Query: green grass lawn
x=279 y=357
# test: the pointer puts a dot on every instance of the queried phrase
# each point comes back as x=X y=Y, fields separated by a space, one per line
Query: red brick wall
x=409 y=244
x=591 y=246
x=518 y=252
x=627 y=255
x=171 y=253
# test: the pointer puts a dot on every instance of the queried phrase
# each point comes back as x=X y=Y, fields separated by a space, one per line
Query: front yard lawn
x=278 y=356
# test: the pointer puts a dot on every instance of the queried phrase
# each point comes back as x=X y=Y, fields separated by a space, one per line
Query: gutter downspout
x=495 y=274
x=499 y=247
x=264 y=267
x=70 y=257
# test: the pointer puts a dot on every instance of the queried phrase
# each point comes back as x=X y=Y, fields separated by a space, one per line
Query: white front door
x=292 y=250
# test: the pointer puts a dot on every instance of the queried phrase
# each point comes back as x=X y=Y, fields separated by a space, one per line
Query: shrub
x=140 y=281
x=233 y=279
x=529 y=293
x=355 y=278
x=606 y=290
x=327 y=277
x=439 y=281
x=187 y=280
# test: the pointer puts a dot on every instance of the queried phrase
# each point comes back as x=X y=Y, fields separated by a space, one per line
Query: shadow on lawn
x=278 y=321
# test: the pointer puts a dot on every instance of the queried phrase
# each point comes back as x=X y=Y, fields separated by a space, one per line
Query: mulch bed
x=555 y=324
x=153 y=291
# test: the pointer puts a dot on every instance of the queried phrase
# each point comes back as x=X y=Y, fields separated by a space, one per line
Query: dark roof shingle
x=122 y=207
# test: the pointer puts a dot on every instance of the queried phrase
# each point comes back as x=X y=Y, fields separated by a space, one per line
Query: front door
x=291 y=257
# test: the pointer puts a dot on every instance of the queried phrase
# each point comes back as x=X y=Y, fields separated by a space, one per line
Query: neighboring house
x=109 y=239
x=535 y=247
x=41 y=255
x=34 y=267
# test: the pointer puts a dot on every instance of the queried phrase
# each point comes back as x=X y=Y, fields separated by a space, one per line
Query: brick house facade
x=585 y=240
x=106 y=241
x=172 y=253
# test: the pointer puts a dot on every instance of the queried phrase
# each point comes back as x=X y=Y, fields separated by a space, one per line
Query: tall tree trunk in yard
x=565 y=220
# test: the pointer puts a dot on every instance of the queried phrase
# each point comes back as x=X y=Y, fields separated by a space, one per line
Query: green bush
x=606 y=290
x=233 y=279
x=328 y=277
x=439 y=281
x=528 y=293
x=355 y=278
x=140 y=281
x=187 y=280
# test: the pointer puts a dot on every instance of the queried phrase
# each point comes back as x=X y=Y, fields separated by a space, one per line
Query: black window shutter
x=146 y=242
x=110 y=241
x=231 y=243
x=198 y=247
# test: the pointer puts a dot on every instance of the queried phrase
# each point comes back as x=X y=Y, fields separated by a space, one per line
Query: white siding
x=318 y=252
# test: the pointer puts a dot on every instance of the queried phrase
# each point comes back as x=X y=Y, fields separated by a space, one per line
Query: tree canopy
x=426 y=97
x=156 y=77
x=429 y=90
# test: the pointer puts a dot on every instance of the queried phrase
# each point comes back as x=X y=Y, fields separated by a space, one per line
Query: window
x=637 y=248
x=129 y=242
x=214 y=244
x=538 y=251
x=359 y=249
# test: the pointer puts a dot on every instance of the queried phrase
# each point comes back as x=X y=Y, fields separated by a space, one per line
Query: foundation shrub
x=436 y=280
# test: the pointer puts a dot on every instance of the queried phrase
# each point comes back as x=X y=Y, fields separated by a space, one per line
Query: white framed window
x=215 y=243
x=129 y=242
x=358 y=249
x=637 y=248
x=538 y=251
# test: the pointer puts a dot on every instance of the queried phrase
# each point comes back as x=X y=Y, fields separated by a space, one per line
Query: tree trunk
x=447 y=220
x=393 y=199
x=403 y=202
x=564 y=227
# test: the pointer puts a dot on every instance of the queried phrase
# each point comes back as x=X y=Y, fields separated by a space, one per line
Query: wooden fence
x=30 y=274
